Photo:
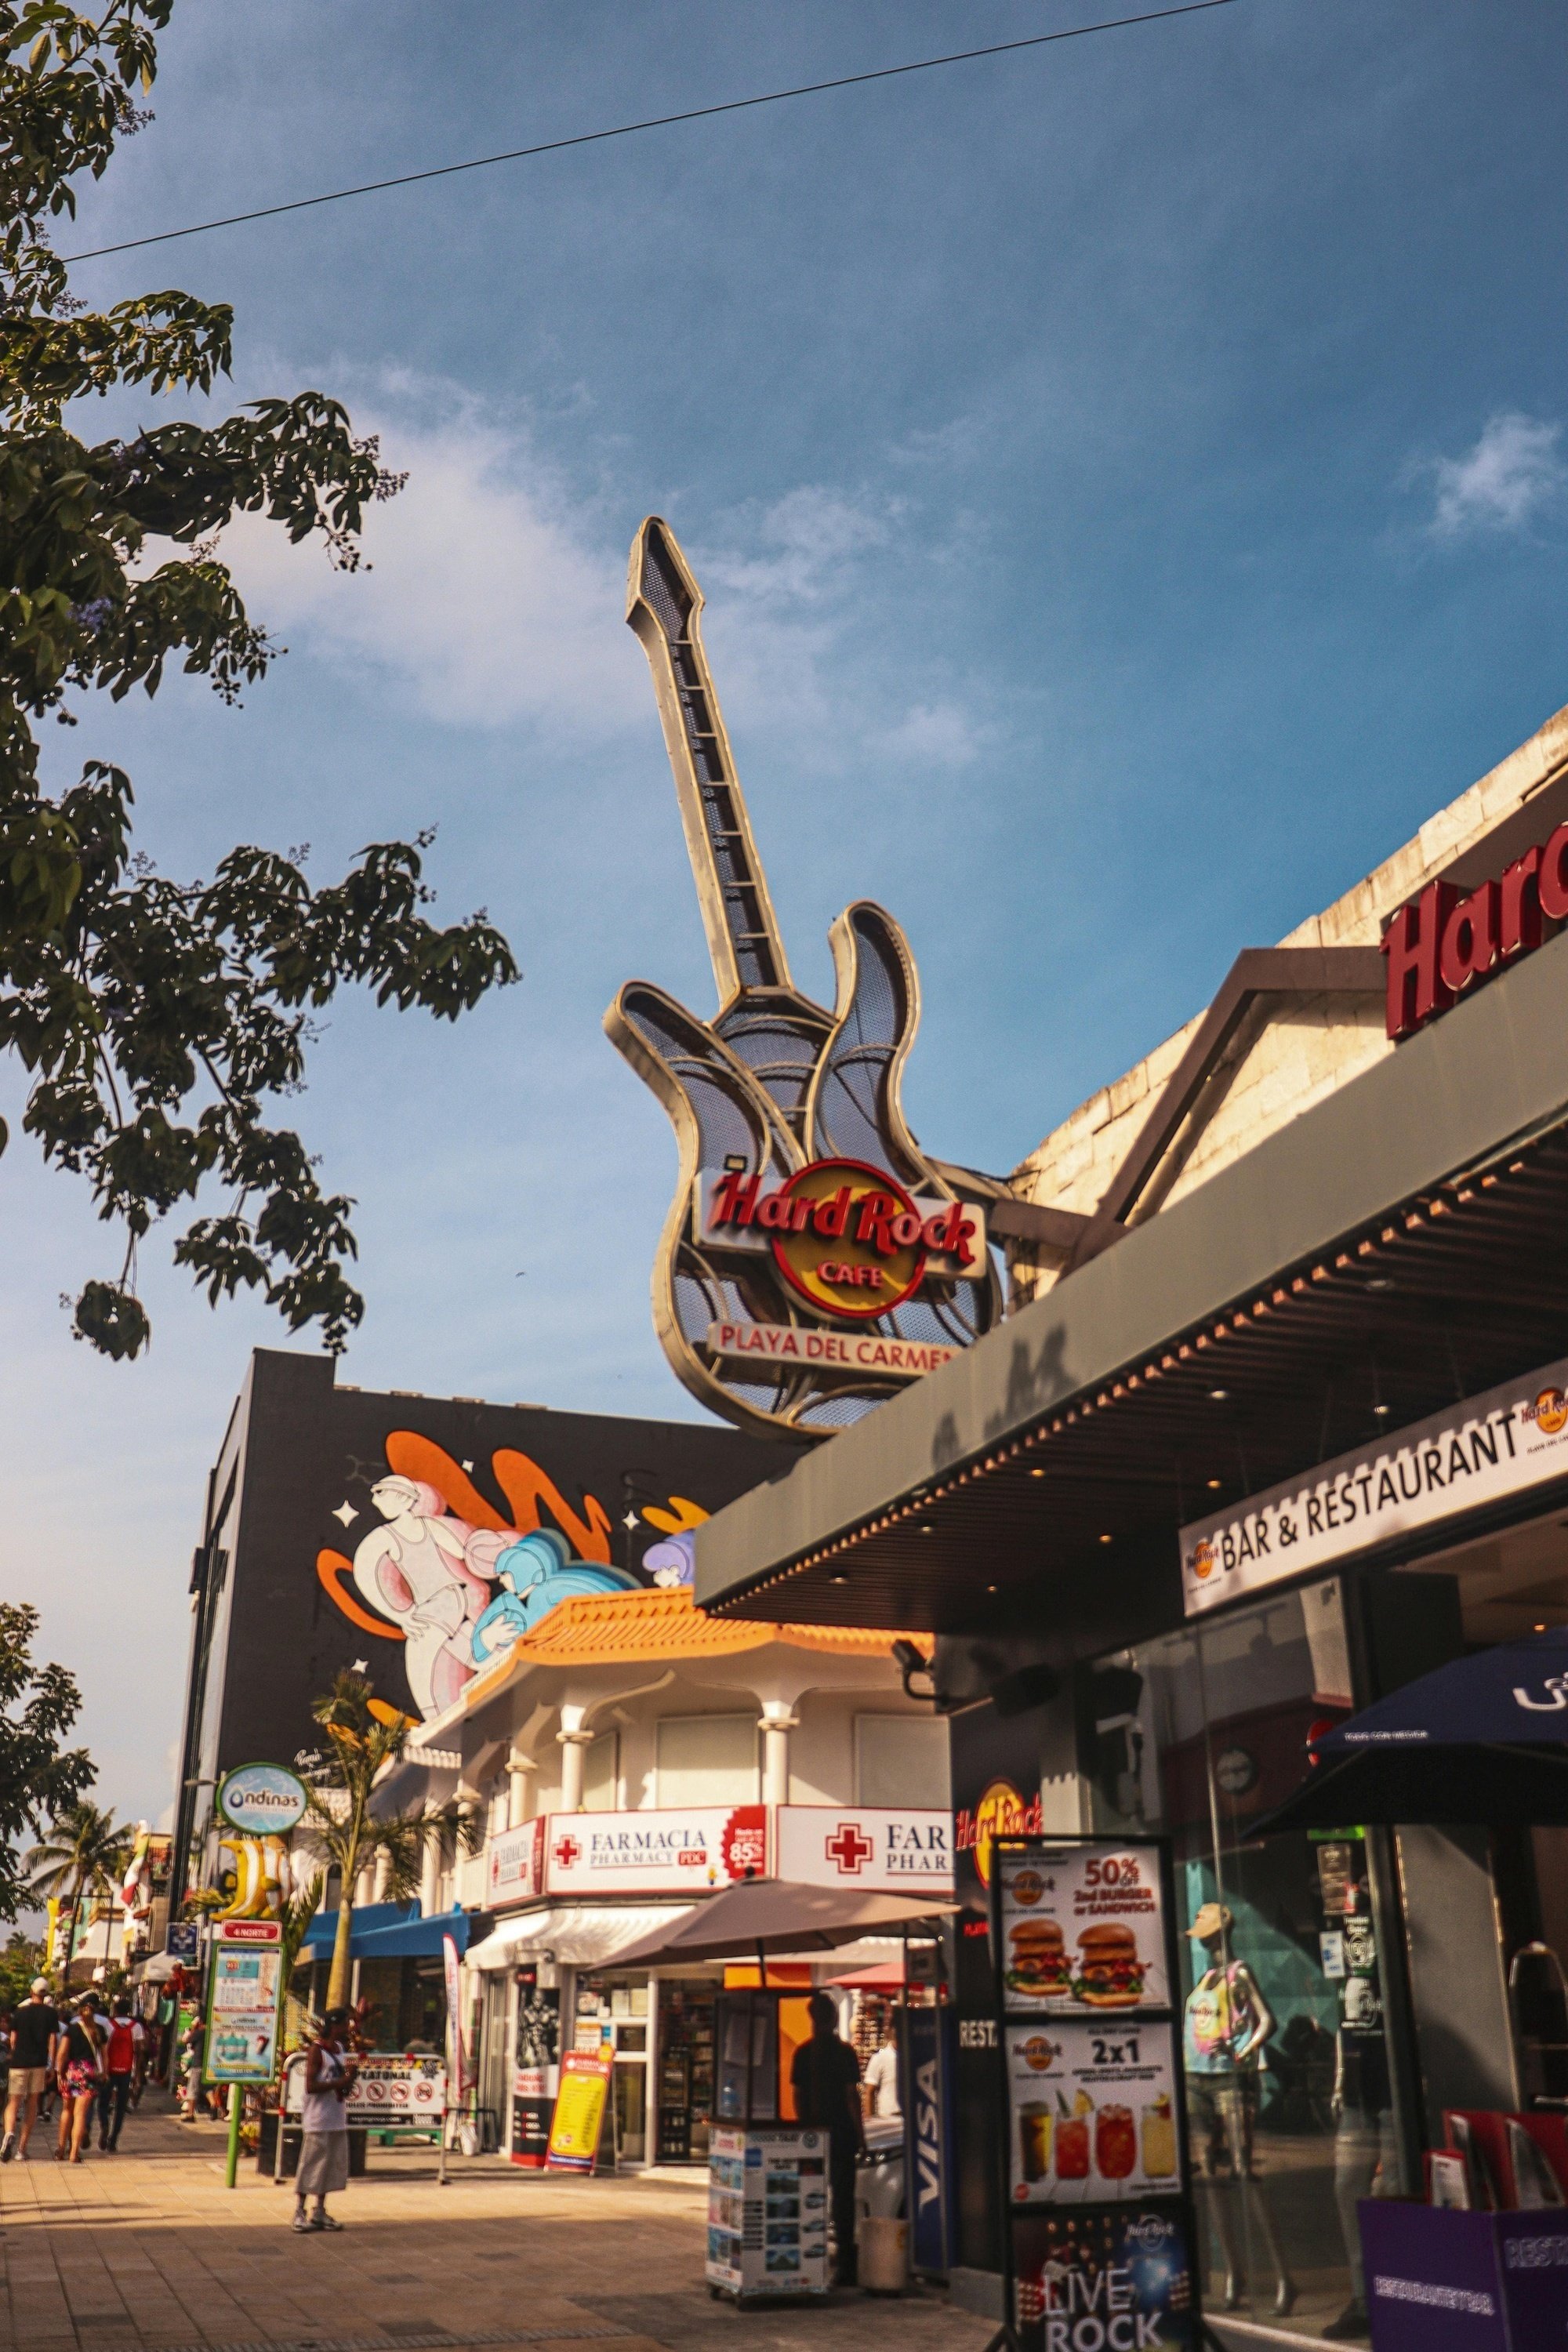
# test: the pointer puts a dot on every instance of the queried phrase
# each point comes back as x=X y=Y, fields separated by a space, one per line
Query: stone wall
x=1288 y=1054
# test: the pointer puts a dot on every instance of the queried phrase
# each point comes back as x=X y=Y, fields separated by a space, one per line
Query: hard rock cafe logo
x=814 y=1258
x=1001 y=1812
x=847 y=1237
x=1549 y=1411
x=1203 y=1559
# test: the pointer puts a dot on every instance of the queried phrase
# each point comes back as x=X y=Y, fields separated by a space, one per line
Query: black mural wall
x=414 y=1538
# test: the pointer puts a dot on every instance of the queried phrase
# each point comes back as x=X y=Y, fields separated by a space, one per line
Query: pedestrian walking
x=825 y=2078
x=119 y=2067
x=330 y=2077
x=35 y=2029
x=192 y=2043
x=77 y=2071
x=145 y=2059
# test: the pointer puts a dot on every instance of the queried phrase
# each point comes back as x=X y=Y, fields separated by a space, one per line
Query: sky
x=1130 y=480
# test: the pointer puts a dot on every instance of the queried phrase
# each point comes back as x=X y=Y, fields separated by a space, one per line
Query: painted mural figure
x=413 y=1570
x=535 y=1572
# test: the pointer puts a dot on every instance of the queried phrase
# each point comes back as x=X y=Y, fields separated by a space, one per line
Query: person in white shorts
x=34 y=2030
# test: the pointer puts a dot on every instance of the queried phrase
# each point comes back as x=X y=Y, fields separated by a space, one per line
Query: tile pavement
x=147 y=2252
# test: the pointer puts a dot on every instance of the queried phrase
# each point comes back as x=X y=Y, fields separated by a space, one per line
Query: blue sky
x=1129 y=479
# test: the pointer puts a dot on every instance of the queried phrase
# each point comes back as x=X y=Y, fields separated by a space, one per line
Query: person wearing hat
x=324 y=2143
x=35 y=2027
x=1225 y=2027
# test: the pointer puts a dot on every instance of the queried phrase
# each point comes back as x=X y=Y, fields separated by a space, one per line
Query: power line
x=655 y=122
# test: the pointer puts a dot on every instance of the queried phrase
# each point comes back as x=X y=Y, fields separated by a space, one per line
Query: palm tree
x=85 y=1853
x=361 y=1744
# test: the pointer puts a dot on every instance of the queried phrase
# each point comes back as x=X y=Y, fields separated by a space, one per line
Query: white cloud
x=494 y=597
x=810 y=544
x=488 y=600
x=1512 y=474
x=937 y=735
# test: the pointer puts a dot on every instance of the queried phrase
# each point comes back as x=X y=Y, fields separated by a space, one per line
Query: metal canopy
x=1401 y=1244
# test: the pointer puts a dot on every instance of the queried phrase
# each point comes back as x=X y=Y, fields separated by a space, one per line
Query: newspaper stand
x=1094 y=2175
x=767 y=2179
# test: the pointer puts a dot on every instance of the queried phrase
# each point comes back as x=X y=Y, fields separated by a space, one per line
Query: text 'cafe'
x=1276 y=1424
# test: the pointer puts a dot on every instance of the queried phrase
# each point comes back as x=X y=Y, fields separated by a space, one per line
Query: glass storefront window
x=1284 y=2000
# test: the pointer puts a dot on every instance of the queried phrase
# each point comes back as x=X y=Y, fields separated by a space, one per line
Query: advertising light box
x=656 y=1852
x=882 y=1849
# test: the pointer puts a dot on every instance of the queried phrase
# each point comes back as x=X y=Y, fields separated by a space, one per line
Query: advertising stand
x=245 y=1992
x=1099 y=2248
x=767 y=2180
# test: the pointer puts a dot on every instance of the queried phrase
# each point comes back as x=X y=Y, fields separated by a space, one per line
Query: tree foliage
x=157 y=1019
x=39 y=1779
x=85 y=1854
x=21 y=1962
x=362 y=1739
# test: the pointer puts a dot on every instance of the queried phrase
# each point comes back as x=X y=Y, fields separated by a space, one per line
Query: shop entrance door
x=629 y=2094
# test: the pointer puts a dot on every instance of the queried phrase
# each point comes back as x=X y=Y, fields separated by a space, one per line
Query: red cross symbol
x=848 y=1848
x=565 y=1850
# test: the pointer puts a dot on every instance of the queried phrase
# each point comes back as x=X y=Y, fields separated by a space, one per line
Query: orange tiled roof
x=616 y=1629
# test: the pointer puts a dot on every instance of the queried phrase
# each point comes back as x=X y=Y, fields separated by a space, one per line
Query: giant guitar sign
x=813 y=1258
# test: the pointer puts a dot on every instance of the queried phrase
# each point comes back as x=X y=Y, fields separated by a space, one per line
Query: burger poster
x=1083 y=1928
x=1092 y=2111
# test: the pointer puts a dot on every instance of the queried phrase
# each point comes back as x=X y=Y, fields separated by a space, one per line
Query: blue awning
x=417 y=1939
x=368 y=1917
x=395 y=1931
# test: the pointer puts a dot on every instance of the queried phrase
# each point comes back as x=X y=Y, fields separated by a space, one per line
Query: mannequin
x=1226 y=2025
x=1366 y=2161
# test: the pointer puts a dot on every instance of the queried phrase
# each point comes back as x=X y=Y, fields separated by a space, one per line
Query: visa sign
x=929 y=2149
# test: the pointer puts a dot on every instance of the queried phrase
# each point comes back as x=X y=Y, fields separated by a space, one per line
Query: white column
x=776 y=1723
x=574 y=1745
x=383 y=1876
x=429 y=1871
x=520 y=1771
x=363 y=1883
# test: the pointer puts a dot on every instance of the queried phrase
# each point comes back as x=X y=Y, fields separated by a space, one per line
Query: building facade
x=624 y=1759
x=409 y=1538
x=1272 y=1428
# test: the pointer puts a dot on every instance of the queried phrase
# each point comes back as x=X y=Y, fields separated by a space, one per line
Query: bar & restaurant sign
x=1480 y=1452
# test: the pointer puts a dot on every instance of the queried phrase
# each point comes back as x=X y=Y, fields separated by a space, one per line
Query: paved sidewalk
x=147 y=2248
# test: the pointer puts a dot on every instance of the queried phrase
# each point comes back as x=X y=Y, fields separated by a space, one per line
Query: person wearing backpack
x=119 y=2071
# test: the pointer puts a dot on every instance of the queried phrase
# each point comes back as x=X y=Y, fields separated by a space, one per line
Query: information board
x=1093 y=2111
x=390 y=2084
x=1083 y=1927
x=579 y=2116
x=1084 y=1967
x=244 y=1984
x=1122 y=2277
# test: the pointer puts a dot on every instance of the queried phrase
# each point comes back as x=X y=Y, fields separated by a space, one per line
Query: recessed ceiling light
x=1380 y=1409
x=927 y=1528
x=991 y=1588
x=1214 y=1486
x=1540 y=1629
x=1219 y=1395
x=841 y=1579
x=1105 y=1538
x=1380 y=1282
x=1036 y=1474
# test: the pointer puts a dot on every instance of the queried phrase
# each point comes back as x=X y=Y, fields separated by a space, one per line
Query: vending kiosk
x=767 y=2175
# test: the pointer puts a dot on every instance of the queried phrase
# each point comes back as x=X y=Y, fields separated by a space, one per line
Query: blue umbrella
x=1484 y=1740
